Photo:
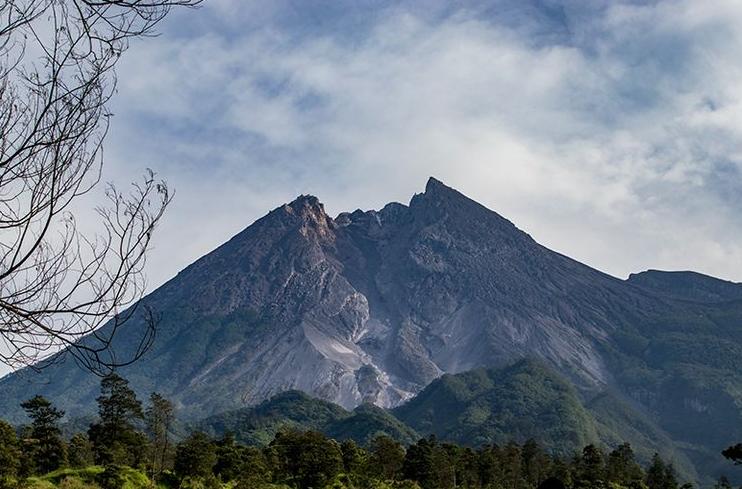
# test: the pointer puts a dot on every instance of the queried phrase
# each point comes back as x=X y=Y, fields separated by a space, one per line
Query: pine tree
x=622 y=467
x=591 y=467
x=114 y=437
x=43 y=448
x=661 y=475
x=159 y=417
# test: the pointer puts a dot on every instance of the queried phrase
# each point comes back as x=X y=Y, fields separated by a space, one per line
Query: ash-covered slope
x=372 y=306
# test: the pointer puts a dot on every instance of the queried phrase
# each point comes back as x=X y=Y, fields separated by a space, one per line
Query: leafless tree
x=59 y=283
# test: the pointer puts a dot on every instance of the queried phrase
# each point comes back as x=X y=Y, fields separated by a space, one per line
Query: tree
x=723 y=483
x=660 y=475
x=622 y=467
x=229 y=458
x=114 y=437
x=10 y=456
x=195 y=456
x=44 y=447
x=536 y=463
x=353 y=456
x=307 y=459
x=80 y=452
x=591 y=467
x=734 y=453
x=490 y=466
x=418 y=462
x=112 y=477
x=57 y=75
x=467 y=468
x=425 y=464
x=386 y=457
x=159 y=417
x=254 y=471
x=511 y=459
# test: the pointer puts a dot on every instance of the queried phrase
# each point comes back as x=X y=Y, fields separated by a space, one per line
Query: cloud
x=609 y=132
x=611 y=135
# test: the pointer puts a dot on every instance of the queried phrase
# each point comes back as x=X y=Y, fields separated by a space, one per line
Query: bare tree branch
x=57 y=284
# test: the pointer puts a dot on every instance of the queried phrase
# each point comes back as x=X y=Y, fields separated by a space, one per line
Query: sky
x=609 y=131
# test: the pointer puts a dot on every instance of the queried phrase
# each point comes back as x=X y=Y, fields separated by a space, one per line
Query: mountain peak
x=435 y=184
x=308 y=208
x=437 y=191
x=303 y=202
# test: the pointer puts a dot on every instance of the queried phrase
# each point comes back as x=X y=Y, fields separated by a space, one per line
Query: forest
x=131 y=445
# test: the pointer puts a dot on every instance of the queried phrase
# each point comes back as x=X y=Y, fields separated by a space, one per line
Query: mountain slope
x=529 y=400
x=293 y=409
x=690 y=286
x=373 y=306
x=485 y=406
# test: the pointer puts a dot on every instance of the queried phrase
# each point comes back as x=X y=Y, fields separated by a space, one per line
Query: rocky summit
x=372 y=306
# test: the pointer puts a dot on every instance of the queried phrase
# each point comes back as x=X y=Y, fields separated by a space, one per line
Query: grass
x=85 y=478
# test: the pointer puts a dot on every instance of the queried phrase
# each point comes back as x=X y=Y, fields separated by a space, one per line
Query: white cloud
x=616 y=140
x=620 y=148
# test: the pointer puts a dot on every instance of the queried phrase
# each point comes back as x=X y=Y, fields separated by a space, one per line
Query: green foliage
x=660 y=475
x=430 y=464
x=297 y=410
x=10 y=456
x=386 y=457
x=92 y=477
x=115 y=439
x=368 y=421
x=523 y=401
x=112 y=477
x=258 y=425
x=80 y=453
x=255 y=470
x=195 y=457
x=622 y=467
x=305 y=459
x=590 y=468
x=43 y=448
x=159 y=416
